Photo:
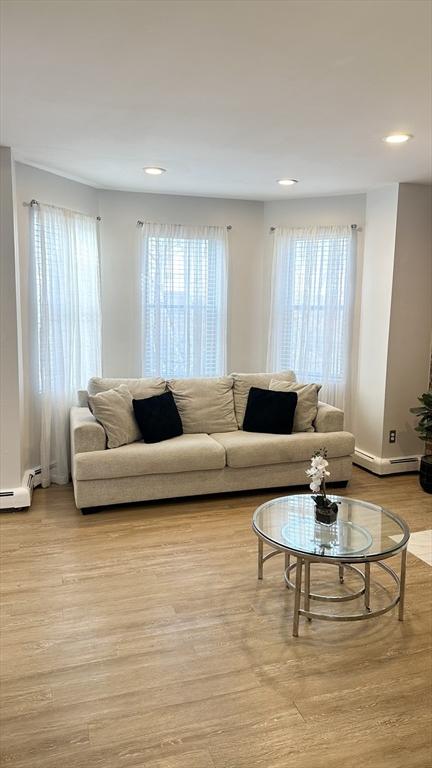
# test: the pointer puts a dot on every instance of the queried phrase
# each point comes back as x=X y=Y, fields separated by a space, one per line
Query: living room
x=215 y=323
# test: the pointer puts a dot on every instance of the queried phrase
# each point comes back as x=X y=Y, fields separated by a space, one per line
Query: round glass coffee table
x=363 y=533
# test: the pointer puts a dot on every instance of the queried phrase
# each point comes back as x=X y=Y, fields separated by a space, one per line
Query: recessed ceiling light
x=397 y=138
x=287 y=182
x=154 y=170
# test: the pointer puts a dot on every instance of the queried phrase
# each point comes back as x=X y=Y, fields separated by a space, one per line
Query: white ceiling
x=228 y=95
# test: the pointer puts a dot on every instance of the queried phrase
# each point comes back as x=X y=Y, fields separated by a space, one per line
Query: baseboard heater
x=20 y=497
x=381 y=466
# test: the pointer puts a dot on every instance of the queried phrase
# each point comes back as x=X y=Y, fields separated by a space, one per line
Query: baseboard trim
x=21 y=496
x=380 y=466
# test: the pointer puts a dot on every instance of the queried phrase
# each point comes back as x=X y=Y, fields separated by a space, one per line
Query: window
x=184 y=287
x=311 y=315
x=66 y=323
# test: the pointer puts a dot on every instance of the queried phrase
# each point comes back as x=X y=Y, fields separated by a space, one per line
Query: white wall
x=378 y=256
x=410 y=319
x=120 y=272
x=320 y=211
x=11 y=395
x=396 y=319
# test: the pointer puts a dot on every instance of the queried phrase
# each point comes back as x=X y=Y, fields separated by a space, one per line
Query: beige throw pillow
x=205 y=404
x=307 y=402
x=113 y=409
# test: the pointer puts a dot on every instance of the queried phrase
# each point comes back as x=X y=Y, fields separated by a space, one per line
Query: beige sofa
x=213 y=455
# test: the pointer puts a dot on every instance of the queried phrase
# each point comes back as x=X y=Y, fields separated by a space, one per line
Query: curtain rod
x=36 y=202
x=141 y=224
x=353 y=226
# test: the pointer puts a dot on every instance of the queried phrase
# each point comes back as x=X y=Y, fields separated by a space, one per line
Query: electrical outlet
x=392 y=436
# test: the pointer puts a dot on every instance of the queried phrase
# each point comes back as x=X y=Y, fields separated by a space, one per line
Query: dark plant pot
x=426 y=473
x=326 y=515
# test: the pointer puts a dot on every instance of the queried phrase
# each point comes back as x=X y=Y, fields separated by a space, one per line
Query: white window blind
x=66 y=322
x=184 y=294
x=312 y=302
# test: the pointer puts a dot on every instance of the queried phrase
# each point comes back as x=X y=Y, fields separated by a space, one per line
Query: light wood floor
x=141 y=637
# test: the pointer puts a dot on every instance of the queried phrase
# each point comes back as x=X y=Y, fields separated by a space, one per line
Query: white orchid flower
x=317 y=472
x=319 y=462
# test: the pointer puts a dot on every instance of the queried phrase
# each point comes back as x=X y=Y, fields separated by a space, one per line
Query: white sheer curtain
x=67 y=325
x=184 y=300
x=313 y=286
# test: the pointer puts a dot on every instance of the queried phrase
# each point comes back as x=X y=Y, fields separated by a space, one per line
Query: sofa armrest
x=329 y=419
x=86 y=433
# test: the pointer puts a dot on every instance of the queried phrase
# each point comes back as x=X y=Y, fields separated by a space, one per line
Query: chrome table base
x=304 y=563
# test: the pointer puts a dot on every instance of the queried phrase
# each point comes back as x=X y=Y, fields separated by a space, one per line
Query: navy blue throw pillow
x=271 y=411
x=158 y=418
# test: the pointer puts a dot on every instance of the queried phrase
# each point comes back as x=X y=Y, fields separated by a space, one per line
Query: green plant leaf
x=424 y=417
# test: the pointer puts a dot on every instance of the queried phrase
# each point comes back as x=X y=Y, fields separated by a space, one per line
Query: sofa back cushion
x=244 y=381
x=205 y=405
x=307 y=402
x=139 y=388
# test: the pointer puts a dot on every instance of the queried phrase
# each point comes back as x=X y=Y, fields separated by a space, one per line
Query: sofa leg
x=89 y=510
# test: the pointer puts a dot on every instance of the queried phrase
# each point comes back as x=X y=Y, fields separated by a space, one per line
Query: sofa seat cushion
x=252 y=449
x=205 y=404
x=186 y=453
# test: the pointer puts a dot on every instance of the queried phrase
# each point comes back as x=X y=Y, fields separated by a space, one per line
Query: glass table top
x=361 y=531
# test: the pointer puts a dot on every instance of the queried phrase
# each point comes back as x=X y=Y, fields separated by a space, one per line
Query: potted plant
x=325 y=509
x=424 y=428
